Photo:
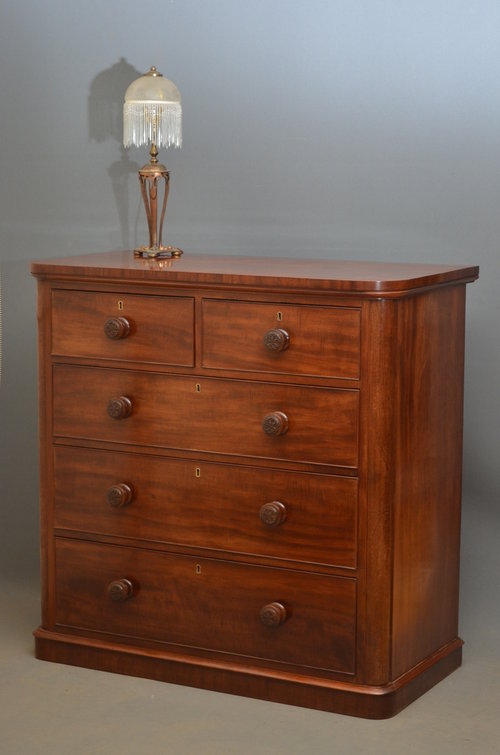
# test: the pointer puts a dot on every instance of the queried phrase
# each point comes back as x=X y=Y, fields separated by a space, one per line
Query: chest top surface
x=316 y=275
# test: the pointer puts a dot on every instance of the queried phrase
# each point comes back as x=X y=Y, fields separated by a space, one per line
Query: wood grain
x=274 y=518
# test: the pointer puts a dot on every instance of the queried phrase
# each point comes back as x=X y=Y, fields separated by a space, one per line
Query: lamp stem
x=150 y=177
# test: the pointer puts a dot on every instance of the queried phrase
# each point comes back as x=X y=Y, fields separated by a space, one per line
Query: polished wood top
x=327 y=275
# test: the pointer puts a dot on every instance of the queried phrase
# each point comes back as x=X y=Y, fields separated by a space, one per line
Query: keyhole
x=279 y=316
x=198 y=569
x=120 y=304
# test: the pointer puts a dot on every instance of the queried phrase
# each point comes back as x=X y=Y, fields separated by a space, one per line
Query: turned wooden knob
x=273 y=513
x=275 y=423
x=119 y=407
x=119 y=495
x=116 y=328
x=276 y=339
x=273 y=614
x=120 y=590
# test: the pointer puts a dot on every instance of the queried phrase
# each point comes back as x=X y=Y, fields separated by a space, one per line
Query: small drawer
x=243 y=611
x=126 y=327
x=284 y=515
x=235 y=417
x=281 y=338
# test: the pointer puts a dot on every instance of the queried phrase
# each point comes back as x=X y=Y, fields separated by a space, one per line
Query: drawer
x=288 y=617
x=266 y=420
x=128 y=327
x=281 y=338
x=284 y=515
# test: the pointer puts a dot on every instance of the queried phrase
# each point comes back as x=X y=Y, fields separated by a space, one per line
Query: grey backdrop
x=367 y=129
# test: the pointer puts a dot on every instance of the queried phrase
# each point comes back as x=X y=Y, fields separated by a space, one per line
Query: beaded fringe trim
x=157 y=123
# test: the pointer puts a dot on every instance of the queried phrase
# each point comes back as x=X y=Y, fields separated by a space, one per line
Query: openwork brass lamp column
x=152 y=115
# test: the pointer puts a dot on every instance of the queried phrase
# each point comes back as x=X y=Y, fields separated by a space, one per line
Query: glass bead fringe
x=157 y=123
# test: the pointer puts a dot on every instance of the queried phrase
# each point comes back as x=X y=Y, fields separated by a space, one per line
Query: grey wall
x=366 y=129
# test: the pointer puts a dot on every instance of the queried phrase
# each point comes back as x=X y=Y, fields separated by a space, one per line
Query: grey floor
x=50 y=708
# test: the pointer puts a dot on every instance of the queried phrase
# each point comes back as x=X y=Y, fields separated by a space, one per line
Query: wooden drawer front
x=89 y=324
x=323 y=341
x=297 y=516
x=209 y=604
x=224 y=416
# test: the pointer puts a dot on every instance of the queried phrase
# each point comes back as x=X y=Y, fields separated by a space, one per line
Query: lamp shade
x=152 y=112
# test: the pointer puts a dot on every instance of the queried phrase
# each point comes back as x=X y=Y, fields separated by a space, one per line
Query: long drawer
x=236 y=609
x=266 y=420
x=283 y=515
x=281 y=338
x=127 y=327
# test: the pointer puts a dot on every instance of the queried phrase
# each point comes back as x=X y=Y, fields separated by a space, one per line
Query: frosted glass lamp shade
x=152 y=112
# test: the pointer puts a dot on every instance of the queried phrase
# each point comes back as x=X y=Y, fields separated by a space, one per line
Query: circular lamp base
x=158 y=252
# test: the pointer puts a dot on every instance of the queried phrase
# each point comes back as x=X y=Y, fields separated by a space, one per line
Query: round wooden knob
x=275 y=423
x=276 y=339
x=273 y=614
x=272 y=514
x=119 y=407
x=116 y=328
x=120 y=590
x=119 y=495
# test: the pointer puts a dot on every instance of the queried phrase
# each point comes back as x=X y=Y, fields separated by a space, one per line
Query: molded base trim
x=373 y=702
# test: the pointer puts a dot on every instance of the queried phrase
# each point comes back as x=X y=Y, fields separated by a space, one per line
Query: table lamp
x=152 y=115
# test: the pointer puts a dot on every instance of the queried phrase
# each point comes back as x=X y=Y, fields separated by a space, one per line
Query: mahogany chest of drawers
x=251 y=474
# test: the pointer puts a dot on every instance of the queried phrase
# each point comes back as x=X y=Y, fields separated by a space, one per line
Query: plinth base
x=348 y=698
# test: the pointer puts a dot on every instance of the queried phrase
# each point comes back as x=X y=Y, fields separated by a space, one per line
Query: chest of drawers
x=251 y=474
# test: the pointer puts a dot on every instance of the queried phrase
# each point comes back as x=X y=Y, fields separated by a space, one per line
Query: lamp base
x=158 y=252
x=151 y=178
